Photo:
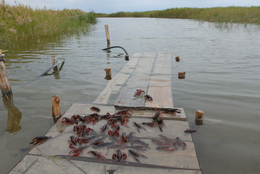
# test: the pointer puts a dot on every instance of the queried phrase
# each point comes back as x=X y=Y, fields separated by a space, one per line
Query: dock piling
x=108 y=73
x=177 y=58
x=4 y=81
x=107 y=35
x=56 y=113
x=181 y=75
x=199 y=117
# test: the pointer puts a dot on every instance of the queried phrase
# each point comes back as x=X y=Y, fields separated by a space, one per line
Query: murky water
x=222 y=78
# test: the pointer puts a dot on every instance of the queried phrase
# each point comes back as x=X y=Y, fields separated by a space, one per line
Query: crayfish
x=115 y=131
x=148 y=97
x=135 y=155
x=139 y=92
x=172 y=110
x=179 y=142
x=77 y=151
x=138 y=127
x=93 y=108
x=124 y=138
x=39 y=140
x=119 y=156
x=98 y=155
x=68 y=121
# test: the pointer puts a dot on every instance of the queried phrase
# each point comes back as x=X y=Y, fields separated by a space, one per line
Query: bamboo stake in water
x=107 y=35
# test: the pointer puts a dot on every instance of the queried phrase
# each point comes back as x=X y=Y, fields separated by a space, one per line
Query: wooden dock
x=150 y=72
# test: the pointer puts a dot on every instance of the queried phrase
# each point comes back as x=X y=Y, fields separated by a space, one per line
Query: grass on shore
x=20 y=23
x=244 y=15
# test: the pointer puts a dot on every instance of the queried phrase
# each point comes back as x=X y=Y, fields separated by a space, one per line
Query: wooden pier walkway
x=150 y=72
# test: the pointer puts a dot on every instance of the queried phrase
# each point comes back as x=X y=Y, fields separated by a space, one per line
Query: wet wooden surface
x=44 y=158
x=118 y=81
x=150 y=72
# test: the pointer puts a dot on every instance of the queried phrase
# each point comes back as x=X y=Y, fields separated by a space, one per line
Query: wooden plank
x=180 y=158
x=139 y=80
x=59 y=145
x=160 y=83
x=45 y=165
x=118 y=81
x=84 y=109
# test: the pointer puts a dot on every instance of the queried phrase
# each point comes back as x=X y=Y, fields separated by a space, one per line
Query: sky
x=113 y=6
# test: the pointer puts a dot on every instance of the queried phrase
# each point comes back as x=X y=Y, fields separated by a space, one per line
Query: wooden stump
x=4 y=81
x=56 y=113
x=177 y=58
x=199 y=117
x=181 y=75
x=107 y=35
x=108 y=73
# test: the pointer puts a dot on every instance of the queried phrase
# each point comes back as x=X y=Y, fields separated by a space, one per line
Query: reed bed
x=20 y=23
x=244 y=15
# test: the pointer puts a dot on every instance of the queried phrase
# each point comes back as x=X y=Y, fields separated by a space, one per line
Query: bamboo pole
x=107 y=35
x=199 y=117
x=56 y=113
x=4 y=81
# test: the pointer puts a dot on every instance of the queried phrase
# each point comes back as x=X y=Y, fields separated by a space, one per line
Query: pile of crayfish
x=86 y=137
x=110 y=137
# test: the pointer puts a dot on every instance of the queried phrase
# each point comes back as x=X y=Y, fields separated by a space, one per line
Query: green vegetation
x=21 y=23
x=244 y=15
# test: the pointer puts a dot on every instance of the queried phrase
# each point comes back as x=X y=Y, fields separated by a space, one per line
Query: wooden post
x=56 y=113
x=177 y=58
x=54 y=60
x=4 y=81
x=108 y=73
x=199 y=117
x=107 y=35
x=181 y=75
x=55 y=69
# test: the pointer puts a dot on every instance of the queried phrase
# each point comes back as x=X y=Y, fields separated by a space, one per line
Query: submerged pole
x=107 y=35
x=4 y=81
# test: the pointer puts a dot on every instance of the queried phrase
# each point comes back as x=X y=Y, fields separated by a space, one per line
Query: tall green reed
x=244 y=15
x=20 y=23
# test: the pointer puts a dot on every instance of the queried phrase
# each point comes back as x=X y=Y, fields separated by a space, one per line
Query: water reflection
x=14 y=115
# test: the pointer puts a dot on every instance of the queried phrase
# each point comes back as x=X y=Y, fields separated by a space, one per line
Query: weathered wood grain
x=138 y=80
x=160 y=83
x=59 y=145
x=46 y=164
x=118 y=81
